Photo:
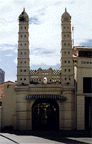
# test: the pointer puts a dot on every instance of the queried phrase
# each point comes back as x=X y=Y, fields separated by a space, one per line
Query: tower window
x=68 y=61
x=24 y=61
x=65 y=61
x=25 y=53
x=68 y=35
x=69 y=79
x=64 y=44
x=21 y=35
x=69 y=70
x=68 y=44
x=20 y=78
x=68 y=52
x=64 y=35
x=25 y=27
x=67 y=27
x=24 y=78
x=21 y=27
x=66 y=19
x=21 y=44
x=25 y=70
x=65 y=70
x=21 y=62
x=21 y=70
x=65 y=52
x=25 y=36
x=65 y=78
x=25 y=43
x=64 y=27
x=21 y=52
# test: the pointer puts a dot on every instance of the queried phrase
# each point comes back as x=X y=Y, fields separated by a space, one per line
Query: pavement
x=46 y=137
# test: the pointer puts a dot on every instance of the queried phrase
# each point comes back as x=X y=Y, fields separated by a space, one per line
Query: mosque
x=47 y=99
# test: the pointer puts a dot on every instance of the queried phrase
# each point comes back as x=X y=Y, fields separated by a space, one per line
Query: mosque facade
x=47 y=99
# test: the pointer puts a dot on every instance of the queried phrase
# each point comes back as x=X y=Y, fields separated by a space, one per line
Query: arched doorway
x=45 y=115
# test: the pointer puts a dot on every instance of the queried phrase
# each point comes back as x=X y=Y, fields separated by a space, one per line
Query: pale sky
x=44 y=31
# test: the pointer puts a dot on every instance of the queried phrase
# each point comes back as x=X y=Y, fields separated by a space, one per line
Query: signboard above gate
x=47 y=96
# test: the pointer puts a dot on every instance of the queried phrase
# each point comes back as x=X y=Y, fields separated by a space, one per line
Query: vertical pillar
x=0 y=117
x=80 y=112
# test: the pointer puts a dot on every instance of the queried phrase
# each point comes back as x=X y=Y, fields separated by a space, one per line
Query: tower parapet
x=23 y=66
x=66 y=50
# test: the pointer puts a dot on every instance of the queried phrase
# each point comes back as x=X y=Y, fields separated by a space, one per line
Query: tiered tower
x=66 y=51
x=23 y=66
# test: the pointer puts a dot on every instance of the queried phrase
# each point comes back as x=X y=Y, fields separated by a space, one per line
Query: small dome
x=23 y=16
x=66 y=15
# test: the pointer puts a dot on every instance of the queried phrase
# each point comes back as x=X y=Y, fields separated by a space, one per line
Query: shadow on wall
x=8 y=128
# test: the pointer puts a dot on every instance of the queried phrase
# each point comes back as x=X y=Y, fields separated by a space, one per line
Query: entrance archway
x=45 y=115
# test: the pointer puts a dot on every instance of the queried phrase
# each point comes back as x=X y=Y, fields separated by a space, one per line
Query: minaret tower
x=23 y=66
x=66 y=51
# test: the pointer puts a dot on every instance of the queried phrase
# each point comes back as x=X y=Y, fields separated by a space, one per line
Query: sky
x=44 y=31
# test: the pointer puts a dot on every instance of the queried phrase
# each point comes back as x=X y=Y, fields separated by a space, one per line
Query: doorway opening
x=87 y=113
x=45 y=115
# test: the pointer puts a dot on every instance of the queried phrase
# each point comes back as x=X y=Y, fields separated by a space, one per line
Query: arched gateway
x=45 y=114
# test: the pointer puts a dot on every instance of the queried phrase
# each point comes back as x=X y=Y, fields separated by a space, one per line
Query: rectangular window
x=87 y=84
x=85 y=53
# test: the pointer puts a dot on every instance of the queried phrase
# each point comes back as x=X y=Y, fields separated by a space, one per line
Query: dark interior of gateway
x=88 y=117
x=45 y=115
x=87 y=85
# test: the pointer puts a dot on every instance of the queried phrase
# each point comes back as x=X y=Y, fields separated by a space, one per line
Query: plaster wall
x=8 y=105
x=80 y=112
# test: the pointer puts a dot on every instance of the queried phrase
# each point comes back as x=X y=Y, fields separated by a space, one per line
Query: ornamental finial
x=23 y=9
x=65 y=9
